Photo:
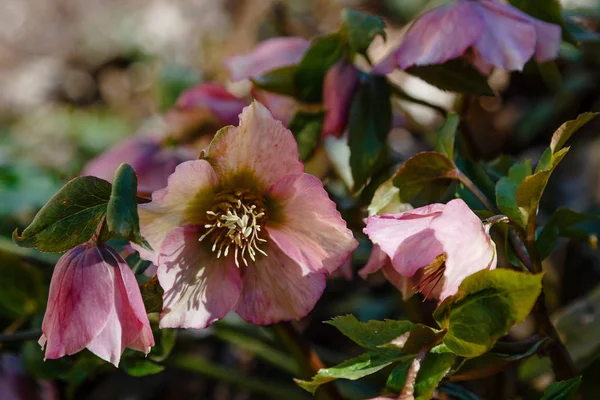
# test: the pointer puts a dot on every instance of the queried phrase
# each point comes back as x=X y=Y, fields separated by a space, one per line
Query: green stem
x=270 y=389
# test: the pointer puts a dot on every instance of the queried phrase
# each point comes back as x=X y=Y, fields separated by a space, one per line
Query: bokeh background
x=78 y=76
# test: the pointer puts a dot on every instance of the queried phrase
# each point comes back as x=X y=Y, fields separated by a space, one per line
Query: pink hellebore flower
x=94 y=303
x=268 y=55
x=341 y=82
x=488 y=32
x=152 y=162
x=444 y=243
x=244 y=229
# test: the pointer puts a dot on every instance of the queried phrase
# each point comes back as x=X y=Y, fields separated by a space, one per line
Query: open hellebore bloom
x=94 y=303
x=439 y=245
x=341 y=82
x=244 y=229
x=487 y=32
x=152 y=162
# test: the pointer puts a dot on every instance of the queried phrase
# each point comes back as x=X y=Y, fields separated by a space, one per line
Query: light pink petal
x=467 y=245
x=199 y=287
x=108 y=344
x=184 y=201
x=548 y=39
x=79 y=302
x=341 y=82
x=282 y=108
x=307 y=226
x=276 y=289
x=257 y=153
x=437 y=36
x=405 y=284
x=508 y=40
x=268 y=55
x=406 y=237
x=377 y=260
x=214 y=97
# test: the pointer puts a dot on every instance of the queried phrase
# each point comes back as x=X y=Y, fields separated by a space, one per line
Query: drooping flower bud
x=341 y=82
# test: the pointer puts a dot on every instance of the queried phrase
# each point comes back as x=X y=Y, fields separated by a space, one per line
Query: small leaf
x=372 y=334
x=306 y=128
x=353 y=369
x=506 y=191
x=445 y=137
x=323 y=52
x=152 y=294
x=425 y=177
x=121 y=213
x=566 y=130
x=386 y=200
x=69 y=218
x=562 y=390
x=137 y=367
x=369 y=124
x=562 y=223
x=280 y=80
x=487 y=304
x=454 y=76
x=361 y=29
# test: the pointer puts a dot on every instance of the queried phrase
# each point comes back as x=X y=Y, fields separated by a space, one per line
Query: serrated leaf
x=372 y=334
x=280 y=80
x=121 y=213
x=369 y=124
x=487 y=304
x=361 y=29
x=454 y=76
x=444 y=143
x=562 y=390
x=152 y=294
x=323 y=52
x=306 y=128
x=69 y=218
x=423 y=179
x=353 y=369
x=506 y=192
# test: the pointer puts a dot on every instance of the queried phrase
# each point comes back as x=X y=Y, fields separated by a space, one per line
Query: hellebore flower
x=268 y=55
x=152 y=162
x=486 y=32
x=340 y=84
x=444 y=243
x=244 y=229
x=94 y=303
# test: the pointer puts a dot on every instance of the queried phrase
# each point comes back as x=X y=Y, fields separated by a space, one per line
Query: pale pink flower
x=444 y=243
x=487 y=32
x=340 y=84
x=94 y=303
x=268 y=55
x=244 y=229
x=151 y=161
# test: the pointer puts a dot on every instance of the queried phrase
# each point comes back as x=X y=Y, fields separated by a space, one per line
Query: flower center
x=235 y=220
x=432 y=275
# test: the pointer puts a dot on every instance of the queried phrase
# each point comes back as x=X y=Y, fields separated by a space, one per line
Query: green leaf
x=386 y=200
x=506 y=191
x=369 y=124
x=137 y=367
x=372 y=334
x=306 y=128
x=353 y=369
x=445 y=136
x=432 y=370
x=566 y=130
x=121 y=213
x=423 y=179
x=454 y=76
x=280 y=80
x=562 y=390
x=487 y=304
x=152 y=294
x=562 y=223
x=22 y=291
x=323 y=52
x=361 y=29
x=69 y=218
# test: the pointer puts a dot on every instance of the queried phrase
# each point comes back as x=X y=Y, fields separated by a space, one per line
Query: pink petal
x=377 y=260
x=307 y=226
x=508 y=40
x=439 y=35
x=548 y=39
x=215 y=98
x=258 y=152
x=406 y=237
x=184 y=201
x=341 y=82
x=467 y=245
x=276 y=289
x=282 y=108
x=199 y=287
x=268 y=55
x=405 y=284
x=79 y=302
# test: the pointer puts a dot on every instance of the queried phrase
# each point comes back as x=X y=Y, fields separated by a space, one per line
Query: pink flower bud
x=341 y=82
x=94 y=303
